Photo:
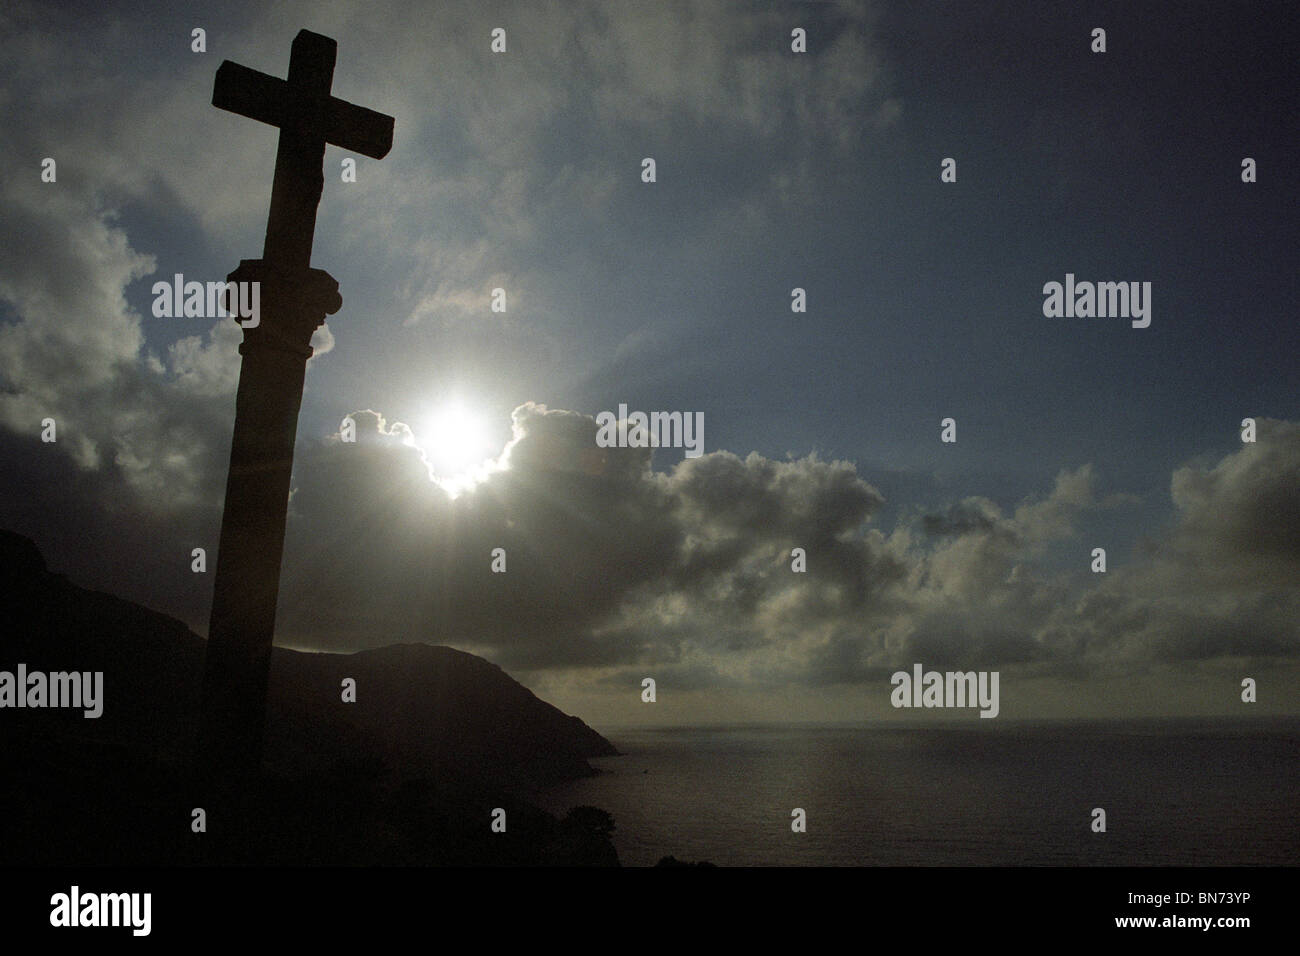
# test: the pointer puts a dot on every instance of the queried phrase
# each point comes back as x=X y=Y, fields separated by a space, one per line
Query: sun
x=457 y=445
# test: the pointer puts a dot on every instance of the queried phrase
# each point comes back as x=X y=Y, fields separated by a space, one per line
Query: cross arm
x=250 y=93
x=358 y=129
x=267 y=99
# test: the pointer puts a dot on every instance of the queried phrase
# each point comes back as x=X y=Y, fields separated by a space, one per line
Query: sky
x=522 y=170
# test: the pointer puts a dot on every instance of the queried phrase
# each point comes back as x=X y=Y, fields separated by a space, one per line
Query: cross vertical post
x=295 y=299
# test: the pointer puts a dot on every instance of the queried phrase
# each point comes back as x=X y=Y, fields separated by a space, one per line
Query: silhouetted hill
x=424 y=710
x=407 y=773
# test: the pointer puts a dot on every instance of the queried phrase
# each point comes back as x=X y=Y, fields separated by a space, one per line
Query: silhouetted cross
x=308 y=118
x=295 y=299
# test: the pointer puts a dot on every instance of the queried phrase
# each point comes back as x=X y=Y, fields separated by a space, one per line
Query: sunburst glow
x=457 y=444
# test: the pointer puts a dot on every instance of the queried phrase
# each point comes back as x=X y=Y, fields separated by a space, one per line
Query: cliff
x=408 y=773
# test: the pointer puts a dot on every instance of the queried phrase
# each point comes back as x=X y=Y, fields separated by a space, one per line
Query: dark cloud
x=1248 y=505
x=611 y=563
x=970 y=516
x=607 y=561
x=1223 y=581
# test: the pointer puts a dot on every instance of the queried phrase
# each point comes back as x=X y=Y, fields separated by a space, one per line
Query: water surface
x=1207 y=792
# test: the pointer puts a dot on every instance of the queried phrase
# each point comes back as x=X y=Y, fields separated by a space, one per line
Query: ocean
x=1187 y=792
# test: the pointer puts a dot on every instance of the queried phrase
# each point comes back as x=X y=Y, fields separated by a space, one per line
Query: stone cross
x=295 y=299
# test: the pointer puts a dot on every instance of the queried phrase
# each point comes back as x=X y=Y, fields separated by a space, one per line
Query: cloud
x=1246 y=509
x=612 y=565
x=1222 y=581
x=525 y=160
x=77 y=354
